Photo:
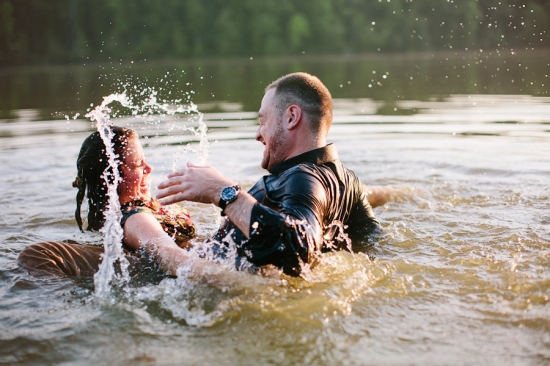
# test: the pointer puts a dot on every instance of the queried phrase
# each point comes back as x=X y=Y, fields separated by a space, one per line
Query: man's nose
x=258 y=136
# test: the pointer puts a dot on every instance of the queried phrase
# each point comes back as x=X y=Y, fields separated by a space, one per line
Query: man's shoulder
x=306 y=170
x=332 y=169
x=300 y=178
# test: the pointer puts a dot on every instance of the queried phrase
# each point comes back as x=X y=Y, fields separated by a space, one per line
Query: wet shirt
x=308 y=204
x=175 y=220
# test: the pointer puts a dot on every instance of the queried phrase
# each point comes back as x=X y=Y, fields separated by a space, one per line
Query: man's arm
x=283 y=238
x=204 y=184
x=290 y=233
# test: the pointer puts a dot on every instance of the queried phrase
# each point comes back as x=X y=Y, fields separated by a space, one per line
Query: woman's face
x=136 y=179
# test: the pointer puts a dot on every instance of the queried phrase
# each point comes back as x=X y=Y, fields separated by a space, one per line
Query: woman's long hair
x=92 y=164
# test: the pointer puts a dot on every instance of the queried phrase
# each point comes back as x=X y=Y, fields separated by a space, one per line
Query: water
x=461 y=276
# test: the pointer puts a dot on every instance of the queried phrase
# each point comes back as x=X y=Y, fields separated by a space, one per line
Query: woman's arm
x=142 y=231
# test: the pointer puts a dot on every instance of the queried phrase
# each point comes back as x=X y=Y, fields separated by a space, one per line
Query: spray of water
x=112 y=231
x=114 y=266
x=196 y=118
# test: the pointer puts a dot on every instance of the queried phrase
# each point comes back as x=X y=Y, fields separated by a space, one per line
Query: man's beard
x=273 y=154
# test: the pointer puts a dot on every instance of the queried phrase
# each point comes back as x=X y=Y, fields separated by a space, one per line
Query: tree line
x=64 y=31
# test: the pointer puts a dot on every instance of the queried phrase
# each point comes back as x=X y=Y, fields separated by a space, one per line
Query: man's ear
x=293 y=117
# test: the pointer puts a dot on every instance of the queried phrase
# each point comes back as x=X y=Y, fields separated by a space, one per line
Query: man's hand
x=204 y=184
x=195 y=183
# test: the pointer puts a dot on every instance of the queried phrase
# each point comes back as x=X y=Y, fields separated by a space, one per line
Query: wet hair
x=307 y=92
x=92 y=164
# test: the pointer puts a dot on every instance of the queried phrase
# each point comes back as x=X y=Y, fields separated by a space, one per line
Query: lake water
x=461 y=276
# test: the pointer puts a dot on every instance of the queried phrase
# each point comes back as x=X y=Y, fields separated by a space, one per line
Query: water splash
x=151 y=108
x=335 y=237
x=111 y=230
x=114 y=266
x=204 y=145
x=201 y=132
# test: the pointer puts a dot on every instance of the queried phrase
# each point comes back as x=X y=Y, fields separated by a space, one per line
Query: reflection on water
x=487 y=115
x=236 y=83
x=461 y=275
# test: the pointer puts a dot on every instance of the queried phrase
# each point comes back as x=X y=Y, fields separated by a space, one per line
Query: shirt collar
x=317 y=156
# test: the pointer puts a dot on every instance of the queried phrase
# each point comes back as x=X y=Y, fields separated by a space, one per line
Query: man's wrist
x=227 y=195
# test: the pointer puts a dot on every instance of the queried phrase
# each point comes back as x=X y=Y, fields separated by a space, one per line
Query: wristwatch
x=228 y=195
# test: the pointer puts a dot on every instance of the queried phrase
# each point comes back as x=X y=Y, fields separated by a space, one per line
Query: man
x=308 y=204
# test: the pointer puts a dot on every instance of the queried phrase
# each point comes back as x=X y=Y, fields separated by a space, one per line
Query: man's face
x=271 y=132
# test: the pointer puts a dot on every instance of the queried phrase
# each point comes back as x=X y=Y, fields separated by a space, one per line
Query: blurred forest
x=68 y=31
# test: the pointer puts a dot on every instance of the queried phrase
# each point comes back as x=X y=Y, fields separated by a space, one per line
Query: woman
x=147 y=225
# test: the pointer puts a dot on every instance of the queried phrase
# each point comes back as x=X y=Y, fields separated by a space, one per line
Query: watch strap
x=223 y=203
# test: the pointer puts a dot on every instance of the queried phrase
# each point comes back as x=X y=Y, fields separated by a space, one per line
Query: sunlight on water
x=460 y=276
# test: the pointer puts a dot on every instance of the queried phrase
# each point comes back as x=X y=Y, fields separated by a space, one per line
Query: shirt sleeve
x=290 y=233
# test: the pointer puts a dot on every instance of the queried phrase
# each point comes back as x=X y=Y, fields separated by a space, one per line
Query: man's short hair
x=307 y=92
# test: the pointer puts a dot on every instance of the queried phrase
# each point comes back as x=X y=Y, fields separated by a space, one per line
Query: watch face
x=228 y=194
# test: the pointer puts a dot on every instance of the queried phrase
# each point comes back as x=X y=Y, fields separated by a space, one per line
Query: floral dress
x=175 y=220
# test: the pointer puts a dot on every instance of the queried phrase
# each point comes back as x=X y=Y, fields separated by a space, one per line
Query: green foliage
x=37 y=31
x=298 y=31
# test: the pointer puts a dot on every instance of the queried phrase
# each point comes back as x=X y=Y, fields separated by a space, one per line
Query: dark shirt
x=308 y=204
